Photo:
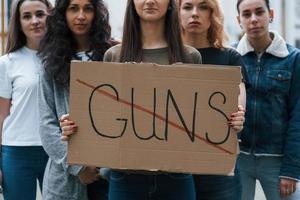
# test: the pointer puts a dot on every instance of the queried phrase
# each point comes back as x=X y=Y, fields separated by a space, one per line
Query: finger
x=238 y=128
x=66 y=123
x=235 y=123
x=237 y=119
x=71 y=128
x=237 y=114
x=294 y=187
x=64 y=138
x=241 y=108
x=64 y=117
x=69 y=133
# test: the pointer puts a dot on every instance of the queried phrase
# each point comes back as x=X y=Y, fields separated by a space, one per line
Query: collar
x=277 y=47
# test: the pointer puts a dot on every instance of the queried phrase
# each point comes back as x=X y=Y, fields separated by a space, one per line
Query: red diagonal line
x=151 y=113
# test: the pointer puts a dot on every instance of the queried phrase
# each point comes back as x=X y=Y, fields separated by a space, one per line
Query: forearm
x=242 y=96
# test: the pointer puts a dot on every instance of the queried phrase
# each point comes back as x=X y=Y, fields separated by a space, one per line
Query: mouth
x=194 y=23
x=255 y=29
x=37 y=29
x=150 y=9
x=80 y=25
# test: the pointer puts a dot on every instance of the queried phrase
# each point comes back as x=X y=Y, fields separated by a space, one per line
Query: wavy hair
x=16 y=38
x=59 y=46
x=131 y=49
x=216 y=35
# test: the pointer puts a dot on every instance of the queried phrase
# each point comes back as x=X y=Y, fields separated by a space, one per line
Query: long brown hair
x=131 y=49
x=216 y=35
x=16 y=38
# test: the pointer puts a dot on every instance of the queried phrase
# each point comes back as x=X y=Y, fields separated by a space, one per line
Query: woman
x=151 y=34
x=23 y=157
x=78 y=29
x=270 y=141
x=202 y=28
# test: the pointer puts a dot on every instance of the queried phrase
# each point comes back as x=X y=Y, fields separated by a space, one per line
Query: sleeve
x=197 y=57
x=5 y=80
x=236 y=60
x=50 y=131
x=291 y=160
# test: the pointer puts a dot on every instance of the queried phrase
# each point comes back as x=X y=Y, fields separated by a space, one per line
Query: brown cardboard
x=179 y=153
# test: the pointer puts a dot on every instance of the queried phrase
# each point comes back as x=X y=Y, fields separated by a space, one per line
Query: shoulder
x=193 y=55
x=113 y=54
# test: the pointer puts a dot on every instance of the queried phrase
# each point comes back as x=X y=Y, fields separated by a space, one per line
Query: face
x=195 y=16
x=151 y=10
x=33 y=20
x=79 y=16
x=254 y=18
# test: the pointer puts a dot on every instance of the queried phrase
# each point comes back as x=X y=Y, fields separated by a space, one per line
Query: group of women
x=35 y=74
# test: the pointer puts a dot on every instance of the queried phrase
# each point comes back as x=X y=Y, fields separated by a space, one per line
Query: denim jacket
x=272 y=126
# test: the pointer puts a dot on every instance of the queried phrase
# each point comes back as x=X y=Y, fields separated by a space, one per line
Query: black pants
x=98 y=190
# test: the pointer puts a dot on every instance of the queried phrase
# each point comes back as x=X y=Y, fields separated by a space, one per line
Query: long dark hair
x=16 y=38
x=58 y=46
x=132 y=40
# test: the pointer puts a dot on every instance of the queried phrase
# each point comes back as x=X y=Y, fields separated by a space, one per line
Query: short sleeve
x=5 y=81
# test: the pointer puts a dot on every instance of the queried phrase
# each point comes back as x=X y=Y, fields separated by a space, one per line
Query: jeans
x=266 y=170
x=131 y=186
x=210 y=187
x=22 y=167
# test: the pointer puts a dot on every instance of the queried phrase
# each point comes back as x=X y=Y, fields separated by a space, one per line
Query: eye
x=40 y=14
x=73 y=8
x=246 y=14
x=26 y=16
x=89 y=8
x=259 y=12
x=187 y=7
x=203 y=7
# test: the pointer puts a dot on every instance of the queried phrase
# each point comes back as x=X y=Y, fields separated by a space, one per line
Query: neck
x=153 y=34
x=33 y=44
x=196 y=40
x=261 y=44
x=82 y=43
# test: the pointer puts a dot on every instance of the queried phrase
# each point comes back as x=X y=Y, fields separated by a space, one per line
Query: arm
x=4 y=112
x=290 y=169
x=50 y=131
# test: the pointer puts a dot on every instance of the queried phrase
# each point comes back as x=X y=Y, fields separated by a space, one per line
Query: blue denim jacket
x=272 y=126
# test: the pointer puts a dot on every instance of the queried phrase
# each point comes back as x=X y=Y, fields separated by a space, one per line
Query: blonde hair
x=216 y=35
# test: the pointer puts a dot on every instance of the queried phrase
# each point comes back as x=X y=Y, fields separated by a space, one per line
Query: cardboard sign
x=151 y=117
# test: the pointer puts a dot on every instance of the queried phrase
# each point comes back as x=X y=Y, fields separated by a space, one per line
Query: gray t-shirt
x=158 y=56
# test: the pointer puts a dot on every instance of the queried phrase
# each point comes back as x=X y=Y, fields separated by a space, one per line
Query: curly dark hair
x=59 y=46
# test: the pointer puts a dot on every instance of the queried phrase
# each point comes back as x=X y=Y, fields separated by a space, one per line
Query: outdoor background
x=286 y=22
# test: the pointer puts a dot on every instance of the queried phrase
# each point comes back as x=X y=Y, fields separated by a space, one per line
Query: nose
x=149 y=2
x=253 y=18
x=195 y=12
x=35 y=20
x=81 y=15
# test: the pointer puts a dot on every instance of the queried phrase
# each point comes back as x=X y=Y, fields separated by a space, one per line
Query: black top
x=225 y=56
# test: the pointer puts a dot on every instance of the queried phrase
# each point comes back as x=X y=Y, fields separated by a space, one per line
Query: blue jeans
x=22 y=167
x=266 y=170
x=210 y=187
x=171 y=186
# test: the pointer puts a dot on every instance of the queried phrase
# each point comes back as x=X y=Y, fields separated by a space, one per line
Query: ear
x=271 y=14
x=239 y=21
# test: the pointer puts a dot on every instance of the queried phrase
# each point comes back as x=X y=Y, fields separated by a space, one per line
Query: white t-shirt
x=19 y=77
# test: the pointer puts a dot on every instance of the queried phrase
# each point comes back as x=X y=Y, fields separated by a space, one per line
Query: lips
x=255 y=29
x=194 y=23
x=150 y=9
x=80 y=25
x=37 y=29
